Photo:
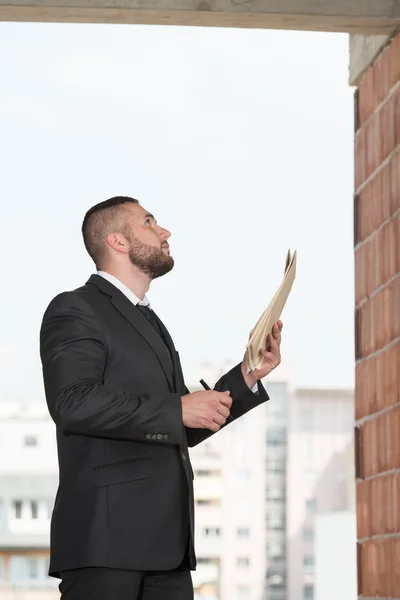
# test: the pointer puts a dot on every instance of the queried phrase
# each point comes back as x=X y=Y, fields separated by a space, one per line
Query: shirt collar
x=124 y=289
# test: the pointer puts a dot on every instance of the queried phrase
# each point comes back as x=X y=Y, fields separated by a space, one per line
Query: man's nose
x=164 y=234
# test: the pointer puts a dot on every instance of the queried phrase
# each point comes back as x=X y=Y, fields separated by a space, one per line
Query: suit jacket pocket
x=139 y=467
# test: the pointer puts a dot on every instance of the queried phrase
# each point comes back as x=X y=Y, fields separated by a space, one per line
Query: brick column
x=377 y=325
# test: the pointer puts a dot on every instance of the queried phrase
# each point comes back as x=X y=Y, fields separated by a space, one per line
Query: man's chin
x=163 y=269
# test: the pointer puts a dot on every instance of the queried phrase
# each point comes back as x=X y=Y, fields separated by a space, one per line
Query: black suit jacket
x=125 y=495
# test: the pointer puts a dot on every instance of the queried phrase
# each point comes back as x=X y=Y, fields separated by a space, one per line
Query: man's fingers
x=219 y=419
x=224 y=411
x=225 y=399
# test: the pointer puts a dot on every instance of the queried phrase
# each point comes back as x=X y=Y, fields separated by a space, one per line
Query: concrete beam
x=364 y=49
x=352 y=16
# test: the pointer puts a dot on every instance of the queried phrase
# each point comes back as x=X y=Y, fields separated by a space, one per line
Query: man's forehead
x=136 y=210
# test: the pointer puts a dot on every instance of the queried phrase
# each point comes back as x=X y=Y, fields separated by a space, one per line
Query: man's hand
x=206 y=410
x=271 y=356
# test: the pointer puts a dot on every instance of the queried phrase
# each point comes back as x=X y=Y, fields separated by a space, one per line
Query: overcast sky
x=239 y=141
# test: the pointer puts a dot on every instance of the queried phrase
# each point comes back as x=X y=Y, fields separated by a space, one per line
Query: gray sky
x=239 y=141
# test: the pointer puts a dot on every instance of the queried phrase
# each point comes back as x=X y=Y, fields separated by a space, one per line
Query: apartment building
x=28 y=483
x=320 y=477
x=240 y=492
x=276 y=437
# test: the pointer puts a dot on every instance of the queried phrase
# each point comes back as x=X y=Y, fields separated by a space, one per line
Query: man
x=123 y=522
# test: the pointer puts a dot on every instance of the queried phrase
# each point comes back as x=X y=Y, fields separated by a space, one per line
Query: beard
x=148 y=259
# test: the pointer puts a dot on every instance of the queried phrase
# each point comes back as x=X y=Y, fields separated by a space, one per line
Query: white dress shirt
x=135 y=300
x=125 y=290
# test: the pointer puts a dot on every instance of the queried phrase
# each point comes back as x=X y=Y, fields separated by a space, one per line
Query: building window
x=243 y=592
x=275 y=550
x=205 y=561
x=242 y=561
x=308 y=534
x=275 y=492
x=32 y=568
x=308 y=592
x=276 y=436
x=208 y=501
x=243 y=532
x=307 y=419
x=30 y=440
x=276 y=466
x=34 y=509
x=308 y=563
x=17 y=506
x=208 y=473
x=275 y=522
x=311 y=505
x=212 y=532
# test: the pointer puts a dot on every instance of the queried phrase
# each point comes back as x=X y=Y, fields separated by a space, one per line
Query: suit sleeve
x=73 y=351
x=243 y=400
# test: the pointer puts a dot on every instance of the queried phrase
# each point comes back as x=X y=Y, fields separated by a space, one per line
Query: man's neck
x=137 y=281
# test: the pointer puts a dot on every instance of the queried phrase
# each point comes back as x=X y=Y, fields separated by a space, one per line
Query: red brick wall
x=377 y=325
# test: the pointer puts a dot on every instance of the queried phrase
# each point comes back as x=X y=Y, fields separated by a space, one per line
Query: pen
x=205 y=385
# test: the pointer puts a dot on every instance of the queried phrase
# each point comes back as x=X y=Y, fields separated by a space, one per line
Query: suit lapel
x=138 y=321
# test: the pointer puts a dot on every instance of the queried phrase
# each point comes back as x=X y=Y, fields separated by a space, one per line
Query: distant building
x=241 y=525
x=320 y=481
x=28 y=483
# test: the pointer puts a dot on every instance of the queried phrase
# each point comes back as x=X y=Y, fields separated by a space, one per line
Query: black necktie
x=155 y=321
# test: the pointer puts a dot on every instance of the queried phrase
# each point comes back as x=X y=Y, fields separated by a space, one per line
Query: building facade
x=28 y=483
x=320 y=442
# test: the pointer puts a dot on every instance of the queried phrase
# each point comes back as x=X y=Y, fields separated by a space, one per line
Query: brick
x=367 y=96
x=387 y=129
x=359 y=395
x=396 y=118
x=364 y=212
x=382 y=424
x=395 y=452
x=377 y=212
x=394 y=61
x=386 y=182
x=382 y=77
x=395 y=579
x=395 y=316
x=372 y=265
x=379 y=380
x=360 y=269
x=359 y=158
x=376 y=513
x=372 y=396
x=364 y=504
x=385 y=315
x=397 y=243
x=389 y=378
x=393 y=498
x=395 y=183
x=369 y=445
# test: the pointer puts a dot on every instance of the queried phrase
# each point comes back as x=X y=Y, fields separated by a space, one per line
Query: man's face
x=149 y=248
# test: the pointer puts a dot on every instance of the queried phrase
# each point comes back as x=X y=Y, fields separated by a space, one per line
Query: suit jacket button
x=183 y=456
x=159 y=436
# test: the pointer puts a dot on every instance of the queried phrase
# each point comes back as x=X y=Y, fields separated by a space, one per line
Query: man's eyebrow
x=149 y=215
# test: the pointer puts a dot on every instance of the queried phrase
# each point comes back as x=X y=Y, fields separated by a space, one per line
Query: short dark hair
x=99 y=221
